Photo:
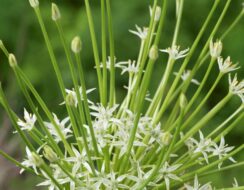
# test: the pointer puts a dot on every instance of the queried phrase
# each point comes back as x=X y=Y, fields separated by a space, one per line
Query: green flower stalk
x=139 y=142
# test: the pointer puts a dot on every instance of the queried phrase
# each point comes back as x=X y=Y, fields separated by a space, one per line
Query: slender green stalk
x=13 y=120
x=112 y=95
x=86 y=106
x=95 y=48
x=18 y=164
x=163 y=157
x=104 y=52
x=215 y=131
x=185 y=63
x=45 y=109
x=203 y=121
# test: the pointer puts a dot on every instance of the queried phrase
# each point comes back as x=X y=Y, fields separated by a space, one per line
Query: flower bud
x=166 y=138
x=157 y=13
x=215 y=48
x=49 y=154
x=37 y=160
x=76 y=44
x=70 y=100
x=183 y=101
x=153 y=53
x=55 y=12
x=34 y=3
x=12 y=60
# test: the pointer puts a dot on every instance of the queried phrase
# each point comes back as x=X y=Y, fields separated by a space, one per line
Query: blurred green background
x=20 y=33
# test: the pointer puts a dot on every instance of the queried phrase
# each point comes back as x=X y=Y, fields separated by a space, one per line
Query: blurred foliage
x=20 y=33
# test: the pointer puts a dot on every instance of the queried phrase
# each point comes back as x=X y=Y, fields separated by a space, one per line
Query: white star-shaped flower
x=66 y=131
x=175 y=53
x=185 y=76
x=167 y=173
x=236 y=87
x=141 y=33
x=29 y=122
x=226 y=66
x=197 y=185
x=222 y=150
x=74 y=95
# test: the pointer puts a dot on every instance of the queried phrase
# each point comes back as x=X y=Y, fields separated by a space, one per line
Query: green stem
x=112 y=95
x=204 y=120
x=95 y=48
x=104 y=53
x=185 y=63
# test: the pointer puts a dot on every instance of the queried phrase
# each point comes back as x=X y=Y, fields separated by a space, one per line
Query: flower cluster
x=130 y=144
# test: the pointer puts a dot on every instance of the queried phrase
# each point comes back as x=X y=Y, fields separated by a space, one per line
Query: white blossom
x=74 y=95
x=221 y=150
x=167 y=173
x=175 y=53
x=29 y=161
x=29 y=122
x=185 y=76
x=128 y=66
x=226 y=65
x=197 y=185
x=236 y=87
x=66 y=131
x=141 y=33
x=202 y=146
x=215 y=48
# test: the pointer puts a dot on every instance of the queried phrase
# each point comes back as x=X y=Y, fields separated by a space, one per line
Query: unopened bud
x=215 y=48
x=37 y=160
x=153 y=53
x=49 y=154
x=34 y=3
x=183 y=101
x=76 y=44
x=70 y=100
x=157 y=13
x=166 y=138
x=12 y=60
x=55 y=12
